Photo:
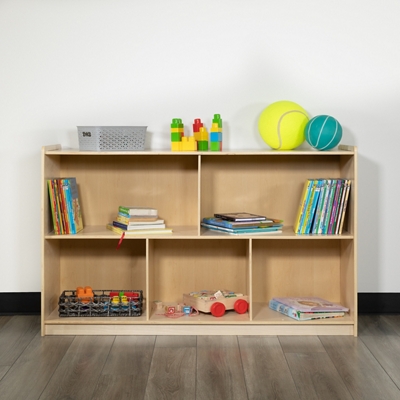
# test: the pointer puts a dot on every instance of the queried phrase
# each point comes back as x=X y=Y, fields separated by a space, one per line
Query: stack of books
x=242 y=223
x=307 y=308
x=322 y=206
x=65 y=206
x=133 y=220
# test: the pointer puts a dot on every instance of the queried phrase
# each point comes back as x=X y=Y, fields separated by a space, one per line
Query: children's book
x=158 y=231
x=242 y=225
x=300 y=315
x=303 y=203
x=345 y=202
x=310 y=304
x=319 y=208
x=136 y=210
x=135 y=227
x=313 y=205
x=75 y=203
x=241 y=216
x=243 y=231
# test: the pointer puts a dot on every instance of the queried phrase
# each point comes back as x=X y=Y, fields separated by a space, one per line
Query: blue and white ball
x=323 y=132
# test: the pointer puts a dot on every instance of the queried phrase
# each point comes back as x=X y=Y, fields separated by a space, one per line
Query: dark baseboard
x=22 y=303
x=382 y=303
x=26 y=303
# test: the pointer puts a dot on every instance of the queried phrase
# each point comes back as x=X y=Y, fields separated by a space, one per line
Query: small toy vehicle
x=217 y=302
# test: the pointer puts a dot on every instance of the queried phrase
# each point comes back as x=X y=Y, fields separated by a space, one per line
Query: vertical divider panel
x=199 y=163
x=250 y=276
x=149 y=277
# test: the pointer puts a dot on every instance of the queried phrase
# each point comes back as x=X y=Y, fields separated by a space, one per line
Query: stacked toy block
x=200 y=140
x=179 y=142
x=200 y=134
x=216 y=133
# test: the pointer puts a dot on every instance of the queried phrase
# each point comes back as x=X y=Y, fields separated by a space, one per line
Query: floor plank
x=266 y=372
x=126 y=371
x=386 y=349
x=29 y=375
x=301 y=344
x=316 y=377
x=15 y=336
x=173 y=369
x=3 y=370
x=76 y=376
x=374 y=325
x=219 y=369
x=4 y=319
x=358 y=368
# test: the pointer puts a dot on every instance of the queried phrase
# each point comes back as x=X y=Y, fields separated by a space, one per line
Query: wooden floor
x=202 y=367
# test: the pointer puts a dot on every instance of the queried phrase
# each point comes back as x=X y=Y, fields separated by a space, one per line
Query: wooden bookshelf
x=185 y=187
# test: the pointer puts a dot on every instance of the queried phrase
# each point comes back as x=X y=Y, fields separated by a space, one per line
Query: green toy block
x=215 y=146
x=176 y=136
x=202 y=145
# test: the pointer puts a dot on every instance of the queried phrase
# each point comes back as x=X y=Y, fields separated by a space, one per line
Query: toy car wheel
x=241 y=306
x=217 y=309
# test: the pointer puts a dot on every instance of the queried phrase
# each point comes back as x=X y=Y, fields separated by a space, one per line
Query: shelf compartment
x=303 y=268
x=178 y=267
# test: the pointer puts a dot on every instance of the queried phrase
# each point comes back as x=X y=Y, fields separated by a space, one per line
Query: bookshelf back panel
x=193 y=265
x=167 y=183
x=296 y=268
x=97 y=263
x=269 y=186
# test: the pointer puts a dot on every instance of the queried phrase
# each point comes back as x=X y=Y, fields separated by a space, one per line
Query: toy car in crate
x=217 y=302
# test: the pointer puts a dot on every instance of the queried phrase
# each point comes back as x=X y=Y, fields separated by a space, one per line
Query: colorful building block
x=216 y=136
x=189 y=143
x=176 y=137
x=176 y=146
x=202 y=145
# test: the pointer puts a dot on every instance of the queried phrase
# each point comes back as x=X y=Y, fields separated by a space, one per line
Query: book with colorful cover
x=335 y=206
x=243 y=225
x=120 y=231
x=127 y=220
x=133 y=227
x=300 y=315
x=240 y=216
x=53 y=207
x=310 y=304
x=76 y=211
x=319 y=208
x=243 y=231
x=324 y=206
x=328 y=209
x=302 y=206
x=346 y=200
x=310 y=201
x=138 y=211
x=315 y=198
x=68 y=201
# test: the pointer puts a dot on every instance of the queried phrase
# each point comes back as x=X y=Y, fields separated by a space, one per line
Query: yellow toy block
x=177 y=130
x=202 y=135
x=176 y=146
x=189 y=143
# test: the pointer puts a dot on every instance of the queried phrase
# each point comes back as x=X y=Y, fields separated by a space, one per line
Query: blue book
x=314 y=202
x=257 y=231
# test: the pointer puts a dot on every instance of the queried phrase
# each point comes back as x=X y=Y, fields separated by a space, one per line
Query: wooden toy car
x=217 y=302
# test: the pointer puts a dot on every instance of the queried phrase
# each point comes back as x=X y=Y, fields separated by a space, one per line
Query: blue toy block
x=215 y=136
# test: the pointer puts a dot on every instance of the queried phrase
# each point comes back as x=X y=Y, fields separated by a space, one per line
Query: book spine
x=339 y=188
x=315 y=199
x=53 y=207
x=59 y=209
x=320 y=204
x=308 y=207
x=302 y=206
x=328 y=210
x=120 y=225
x=64 y=210
x=324 y=206
x=346 y=200
x=76 y=207
x=68 y=200
x=290 y=312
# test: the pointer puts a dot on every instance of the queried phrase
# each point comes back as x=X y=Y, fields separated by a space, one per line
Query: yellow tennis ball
x=282 y=125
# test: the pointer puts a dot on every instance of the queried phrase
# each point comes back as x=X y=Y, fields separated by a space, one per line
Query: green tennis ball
x=323 y=132
x=282 y=124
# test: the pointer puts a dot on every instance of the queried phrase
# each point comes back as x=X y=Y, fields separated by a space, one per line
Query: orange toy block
x=84 y=294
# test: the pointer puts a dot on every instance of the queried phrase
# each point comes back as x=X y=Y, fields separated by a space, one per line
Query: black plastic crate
x=101 y=304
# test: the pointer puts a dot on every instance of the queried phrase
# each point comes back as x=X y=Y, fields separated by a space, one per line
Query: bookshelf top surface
x=342 y=150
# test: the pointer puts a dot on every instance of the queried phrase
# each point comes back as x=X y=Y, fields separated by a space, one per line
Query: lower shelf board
x=265 y=322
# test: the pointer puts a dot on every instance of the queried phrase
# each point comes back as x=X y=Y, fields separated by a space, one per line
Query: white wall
x=131 y=62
